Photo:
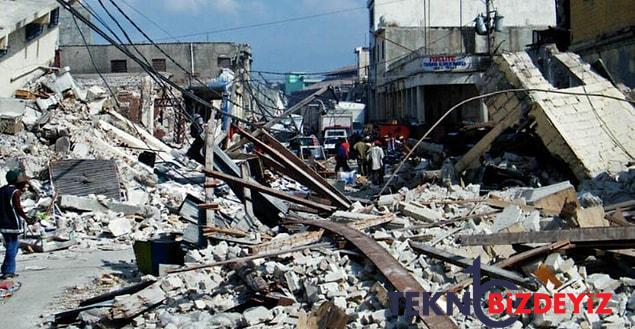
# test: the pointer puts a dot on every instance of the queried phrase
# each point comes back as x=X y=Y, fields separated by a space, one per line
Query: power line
x=282 y=21
x=191 y=74
x=144 y=66
x=150 y=20
x=475 y=98
x=92 y=61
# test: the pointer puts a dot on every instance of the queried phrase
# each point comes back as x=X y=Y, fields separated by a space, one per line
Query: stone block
x=510 y=216
x=293 y=282
x=120 y=226
x=257 y=315
x=420 y=213
x=602 y=282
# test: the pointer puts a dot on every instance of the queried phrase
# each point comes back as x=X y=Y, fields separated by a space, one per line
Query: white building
x=426 y=55
x=28 y=39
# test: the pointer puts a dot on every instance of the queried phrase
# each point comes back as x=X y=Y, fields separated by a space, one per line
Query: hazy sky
x=315 y=44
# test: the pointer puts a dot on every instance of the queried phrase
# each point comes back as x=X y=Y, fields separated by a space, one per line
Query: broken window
x=159 y=64
x=224 y=62
x=32 y=31
x=119 y=66
x=54 y=18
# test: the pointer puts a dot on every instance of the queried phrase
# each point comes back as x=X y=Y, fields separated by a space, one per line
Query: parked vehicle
x=357 y=112
x=331 y=137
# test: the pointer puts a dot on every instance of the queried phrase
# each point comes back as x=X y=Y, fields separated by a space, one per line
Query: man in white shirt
x=376 y=158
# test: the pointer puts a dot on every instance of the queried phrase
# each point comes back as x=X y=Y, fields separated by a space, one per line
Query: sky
x=307 y=45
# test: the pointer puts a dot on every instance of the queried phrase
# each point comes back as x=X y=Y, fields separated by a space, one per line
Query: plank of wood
x=129 y=306
x=292 y=241
x=621 y=236
x=464 y=262
x=267 y=190
x=248 y=258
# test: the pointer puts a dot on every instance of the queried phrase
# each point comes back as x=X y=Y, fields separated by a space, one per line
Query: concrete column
x=421 y=105
x=484 y=114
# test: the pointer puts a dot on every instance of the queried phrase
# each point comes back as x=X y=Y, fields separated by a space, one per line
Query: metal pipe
x=33 y=70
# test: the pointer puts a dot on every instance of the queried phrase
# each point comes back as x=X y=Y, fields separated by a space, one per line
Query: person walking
x=361 y=149
x=376 y=159
x=11 y=220
x=341 y=158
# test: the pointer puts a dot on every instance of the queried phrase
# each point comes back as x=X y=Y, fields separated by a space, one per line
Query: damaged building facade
x=427 y=56
x=214 y=71
x=28 y=39
x=605 y=30
x=202 y=60
x=138 y=232
x=590 y=135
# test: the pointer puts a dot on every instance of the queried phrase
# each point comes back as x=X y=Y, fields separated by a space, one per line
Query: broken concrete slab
x=420 y=213
x=510 y=216
x=591 y=217
x=257 y=315
x=95 y=205
x=119 y=226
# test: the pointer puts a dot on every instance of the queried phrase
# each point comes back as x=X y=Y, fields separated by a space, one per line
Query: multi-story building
x=28 y=39
x=205 y=60
x=426 y=55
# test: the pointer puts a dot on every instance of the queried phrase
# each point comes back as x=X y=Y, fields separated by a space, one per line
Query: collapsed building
x=284 y=248
x=252 y=236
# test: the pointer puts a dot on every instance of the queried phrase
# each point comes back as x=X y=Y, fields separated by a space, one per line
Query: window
x=372 y=18
x=54 y=18
x=224 y=62
x=32 y=31
x=159 y=64
x=119 y=66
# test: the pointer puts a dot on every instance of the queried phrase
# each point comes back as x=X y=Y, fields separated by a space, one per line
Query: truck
x=346 y=115
x=347 y=118
x=357 y=111
x=335 y=126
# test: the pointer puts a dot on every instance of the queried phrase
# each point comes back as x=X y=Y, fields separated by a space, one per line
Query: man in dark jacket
x=11 y=220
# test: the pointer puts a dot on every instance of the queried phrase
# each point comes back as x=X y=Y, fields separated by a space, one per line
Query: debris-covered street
x=468 y=174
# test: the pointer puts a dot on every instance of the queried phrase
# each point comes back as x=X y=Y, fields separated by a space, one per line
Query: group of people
x=369 y=156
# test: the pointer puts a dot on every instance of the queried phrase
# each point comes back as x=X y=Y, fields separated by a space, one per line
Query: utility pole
x=208 y=218
x=488 y=9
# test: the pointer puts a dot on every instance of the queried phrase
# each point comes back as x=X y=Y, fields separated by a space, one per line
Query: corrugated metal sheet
x=85 y=177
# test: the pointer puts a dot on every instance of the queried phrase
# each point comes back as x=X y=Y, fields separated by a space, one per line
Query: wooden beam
x=464 y=262
x=252 y=257
x=267 y=190
x=297 y=168
x=622 y=236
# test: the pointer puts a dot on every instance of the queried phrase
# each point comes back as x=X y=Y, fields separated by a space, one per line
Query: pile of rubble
x=281 y=247
x=76 y=123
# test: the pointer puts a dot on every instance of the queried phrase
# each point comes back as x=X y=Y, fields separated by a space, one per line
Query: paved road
x=64 y=269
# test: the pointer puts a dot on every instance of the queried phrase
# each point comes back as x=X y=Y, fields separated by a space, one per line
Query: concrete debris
x=239 y=272
x=119 y=226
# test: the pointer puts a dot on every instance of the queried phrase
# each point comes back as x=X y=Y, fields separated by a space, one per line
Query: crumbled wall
x=591 y=134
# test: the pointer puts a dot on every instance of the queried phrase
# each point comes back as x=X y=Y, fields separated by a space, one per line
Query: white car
x=332 y=137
